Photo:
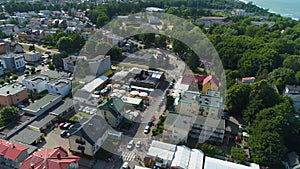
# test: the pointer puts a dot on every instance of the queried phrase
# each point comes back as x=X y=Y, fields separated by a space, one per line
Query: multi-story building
x=36 y=84
x=12 y=95
x=32 y=56
x=13 y=62
x=61 y=87
x=12 y=154
x=198 y=117
x=87 y=137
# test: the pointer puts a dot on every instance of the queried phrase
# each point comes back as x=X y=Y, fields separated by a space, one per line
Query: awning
x=108 y=73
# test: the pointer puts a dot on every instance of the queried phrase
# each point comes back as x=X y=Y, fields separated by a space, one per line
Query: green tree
x=209 y=149
x=267 y=147
x=8 y=114
x=115 y=52
x=31 y=48
x=292 y=62
x=192 y=61
x=65 y=44
x=282 y=76
x=170 y=103
x=160 y=41
x=32 y=69
x=57 y=60
x=51 y=66
x=237 y=98
x=238 y=154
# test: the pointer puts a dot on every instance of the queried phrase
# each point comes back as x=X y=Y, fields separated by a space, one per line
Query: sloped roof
x=57 y=158
x=210 y=79
x=90 y=129
x=11 y=150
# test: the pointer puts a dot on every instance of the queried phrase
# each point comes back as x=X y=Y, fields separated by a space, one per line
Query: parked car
x=130 y=144
x=125 y=165
x=147 y=129
x=150 y=123
x=64 y=134
x=61 y=125
x=81 y=108
x=138 y=144
x=66 y=126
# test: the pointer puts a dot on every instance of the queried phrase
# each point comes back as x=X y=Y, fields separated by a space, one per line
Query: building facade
x=12 y=95
x=13 y=62
x=36 y=84
x=61 y=87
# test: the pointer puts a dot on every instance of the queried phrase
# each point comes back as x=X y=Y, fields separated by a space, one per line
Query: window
x=80 y=141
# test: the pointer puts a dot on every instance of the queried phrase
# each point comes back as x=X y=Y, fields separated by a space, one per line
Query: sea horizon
x=281 y=7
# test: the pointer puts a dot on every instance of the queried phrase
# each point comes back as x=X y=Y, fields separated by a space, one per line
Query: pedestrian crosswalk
x=128 y=156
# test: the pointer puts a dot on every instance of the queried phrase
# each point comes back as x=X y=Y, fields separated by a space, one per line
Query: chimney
x=31 y=165
x=7 y=92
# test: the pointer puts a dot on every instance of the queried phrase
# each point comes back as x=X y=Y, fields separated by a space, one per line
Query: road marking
x=128 y=156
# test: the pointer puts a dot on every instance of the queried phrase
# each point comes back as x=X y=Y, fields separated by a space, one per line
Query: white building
x=36 y=84
x=100 y=65
x=61 y=87
x=94 y=84
x=162 y=151
x=32 y=56
x=221 y=164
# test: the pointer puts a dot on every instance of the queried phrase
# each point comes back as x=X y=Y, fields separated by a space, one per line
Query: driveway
x=53 y=139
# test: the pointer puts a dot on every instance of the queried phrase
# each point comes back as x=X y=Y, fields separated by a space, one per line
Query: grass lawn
x=80 y=115
x=26 y=48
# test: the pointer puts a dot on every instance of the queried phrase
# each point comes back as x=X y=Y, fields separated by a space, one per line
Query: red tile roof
x=189 y=79
x=56 y=158
x=248 y=78
x=11 y=150
x=210 y=79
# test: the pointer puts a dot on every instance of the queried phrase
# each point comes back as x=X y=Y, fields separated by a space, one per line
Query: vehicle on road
x=138 y=144
x=147 y=129
x=125 y=165
x=130 y=144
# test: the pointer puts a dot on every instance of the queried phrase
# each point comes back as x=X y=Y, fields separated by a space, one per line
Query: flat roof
x=162 y=150
x=42 y=121
x=67 y=103
x=38 y=79
x=181 y=157
x=93 y=85
x=196 y=159
x=211 y=122
x=221 y=164
x=130 y=100
x=34 y=107
x=11 y=89
x=27 y=136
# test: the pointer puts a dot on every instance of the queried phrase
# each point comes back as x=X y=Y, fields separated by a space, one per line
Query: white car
x=147 y=129
x=125 y=165
x=130 y=144
x=138 y=144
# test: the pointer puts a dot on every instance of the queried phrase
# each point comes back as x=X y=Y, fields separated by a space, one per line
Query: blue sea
x=286 y=8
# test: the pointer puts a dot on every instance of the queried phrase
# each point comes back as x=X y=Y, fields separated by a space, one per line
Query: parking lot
x=53 y=139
